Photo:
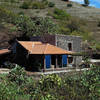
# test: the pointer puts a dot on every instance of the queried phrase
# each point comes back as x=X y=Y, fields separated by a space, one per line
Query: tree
x=86 y=2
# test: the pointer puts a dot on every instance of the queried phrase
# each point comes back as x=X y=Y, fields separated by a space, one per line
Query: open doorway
x=59 y=61
x=53 y=61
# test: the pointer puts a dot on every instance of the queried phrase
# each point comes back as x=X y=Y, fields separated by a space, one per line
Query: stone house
x=67 y=42
x=35 y=56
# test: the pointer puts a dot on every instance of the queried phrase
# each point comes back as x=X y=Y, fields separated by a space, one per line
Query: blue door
x=64 y=60
x=48 y=61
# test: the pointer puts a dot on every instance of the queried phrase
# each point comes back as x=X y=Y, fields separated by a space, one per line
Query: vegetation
x=57 y=21
x=69 y=25
x=27 y=25
x=86 y=2
x=59 y=14
x=10 y=1
x=81 y=86
x=25 y=5
x=17 y=85
x=51 y=4
x=37 y=4
x=69 y=5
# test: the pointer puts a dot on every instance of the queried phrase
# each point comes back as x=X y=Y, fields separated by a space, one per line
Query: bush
x=50 y=81
x=99 y=24
x=43 y=26
x=25 y=5
x=51 y=4
x=60 y=14
x=6 y=15
x=79 y=86
x=17 y=75
x=45 y=2
x=11 y=1
x=69 y=5
x=38 y=5
x=86 y=2
x=8 y=91
x=73 y=26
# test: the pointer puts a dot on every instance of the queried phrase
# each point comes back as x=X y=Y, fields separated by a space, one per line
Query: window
x=70 y=46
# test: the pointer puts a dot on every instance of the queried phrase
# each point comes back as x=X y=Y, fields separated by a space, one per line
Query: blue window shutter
x=48 y=61
x=64 y=60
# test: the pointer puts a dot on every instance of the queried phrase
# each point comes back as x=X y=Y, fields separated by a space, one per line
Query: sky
x=95 y=3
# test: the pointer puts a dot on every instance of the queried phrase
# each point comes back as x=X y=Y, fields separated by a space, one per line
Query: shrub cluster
x=51 y=4
x=69 y=25
x=86 y=2
x=60 y=14
x=27 y=25
x=25 y=5
x=37 y=4
x=62 y=23
x=69 y=5
x=17 y=85
x=10 y=1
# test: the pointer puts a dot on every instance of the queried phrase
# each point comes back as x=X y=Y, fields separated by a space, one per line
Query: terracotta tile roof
x=42 y=48
x=4 y=51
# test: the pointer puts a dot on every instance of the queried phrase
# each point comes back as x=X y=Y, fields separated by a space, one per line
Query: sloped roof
x=4 y=51
x=42 y=48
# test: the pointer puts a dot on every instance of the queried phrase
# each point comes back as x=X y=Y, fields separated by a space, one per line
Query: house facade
x=37 y=56
x=67 y=42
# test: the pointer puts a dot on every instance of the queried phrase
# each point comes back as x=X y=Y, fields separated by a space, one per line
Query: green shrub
x=6 y=15
x=86 y=2
x=45 y=2
x=51 y=4
x=97 y=46
x=21 y=13
x=10 y=1
x=17 y=75
x=73 y=25
x=42 y=26
x=38 y=5
x=25 y=5
x=50 y=81
x=60 y=14
x=80 y=86
x=13 y=1
x=99 y=24
x=8 y=91
x=69 y=5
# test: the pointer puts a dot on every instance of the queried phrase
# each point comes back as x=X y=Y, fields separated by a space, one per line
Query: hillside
x=88 y=19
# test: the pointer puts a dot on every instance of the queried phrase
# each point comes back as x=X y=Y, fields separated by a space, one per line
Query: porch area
x=44 y=56
x=47 y=62
x=55 y=62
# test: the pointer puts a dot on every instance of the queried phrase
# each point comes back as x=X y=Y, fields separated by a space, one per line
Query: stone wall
x=62 y=42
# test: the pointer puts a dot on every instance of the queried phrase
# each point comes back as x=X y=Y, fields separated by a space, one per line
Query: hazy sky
x=95 y=3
